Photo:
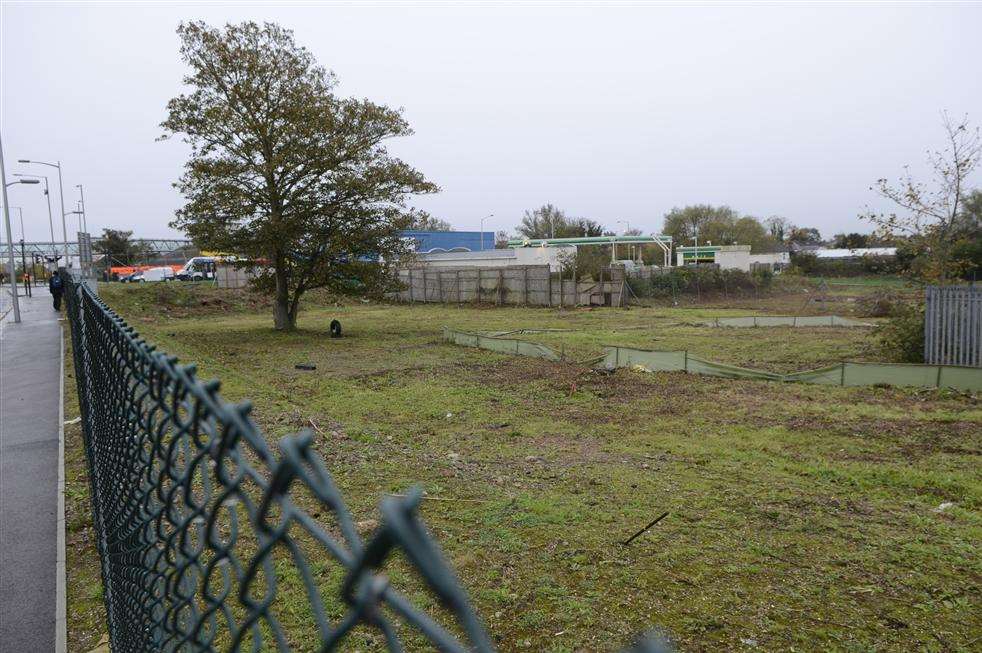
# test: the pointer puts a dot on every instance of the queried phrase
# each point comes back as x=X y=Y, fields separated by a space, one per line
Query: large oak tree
x=285 y=172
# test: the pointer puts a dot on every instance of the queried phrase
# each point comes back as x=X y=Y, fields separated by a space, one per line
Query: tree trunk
x=284 y=319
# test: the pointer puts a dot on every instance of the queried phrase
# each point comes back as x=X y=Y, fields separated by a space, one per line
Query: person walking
x=57 y=287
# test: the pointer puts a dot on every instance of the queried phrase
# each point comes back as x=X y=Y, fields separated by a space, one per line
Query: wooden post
x=439 y=285
x=549 y=285
x=501 y=281
x=457 y=281
x=412 y=299
x=477 y=291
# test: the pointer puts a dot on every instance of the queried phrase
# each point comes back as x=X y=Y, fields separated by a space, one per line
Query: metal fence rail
x=953 y=325
x=199 y=529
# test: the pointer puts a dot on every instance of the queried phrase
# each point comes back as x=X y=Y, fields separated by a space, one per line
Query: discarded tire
x=335 y=329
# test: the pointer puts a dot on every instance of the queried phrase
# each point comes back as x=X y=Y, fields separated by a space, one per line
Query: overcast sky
x=610 y=113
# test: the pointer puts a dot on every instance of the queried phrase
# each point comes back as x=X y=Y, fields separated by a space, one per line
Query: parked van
x=199 y=268
x=162 y=273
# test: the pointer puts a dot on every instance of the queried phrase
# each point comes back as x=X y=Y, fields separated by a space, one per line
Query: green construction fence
x=841 y=374
x=844 y=374
x=501 y=345
x=784 y=320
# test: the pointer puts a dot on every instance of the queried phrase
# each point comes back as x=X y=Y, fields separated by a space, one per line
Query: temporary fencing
x=846 y=373
x=785 y=320
x=843 y=374
x=502 y=345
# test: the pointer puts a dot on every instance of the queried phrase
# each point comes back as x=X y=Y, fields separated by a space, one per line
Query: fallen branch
x=642 y=531
x=430 y=497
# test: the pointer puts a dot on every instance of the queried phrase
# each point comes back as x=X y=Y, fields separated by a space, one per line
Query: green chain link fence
x=197 y=521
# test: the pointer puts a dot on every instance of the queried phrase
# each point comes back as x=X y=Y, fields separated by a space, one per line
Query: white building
x=858 y=252
x=554 y=257
x=730 y=257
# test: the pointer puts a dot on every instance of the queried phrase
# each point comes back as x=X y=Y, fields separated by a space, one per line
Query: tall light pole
x=81 y=194
x=10 y=238
x=80 y=214
x=627 y=228
x=20 y=213
x=61 y=195
x=47 y=196
x=491 y=215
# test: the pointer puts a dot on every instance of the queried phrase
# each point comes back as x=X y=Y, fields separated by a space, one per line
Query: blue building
x=450 y=241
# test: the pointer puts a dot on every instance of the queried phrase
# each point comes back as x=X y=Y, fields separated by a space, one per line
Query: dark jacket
x=56 y=285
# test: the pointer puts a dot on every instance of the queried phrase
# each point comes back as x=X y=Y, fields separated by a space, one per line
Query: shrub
x=808 y=264
x=882 y=303
x=901 y=339
x=692 y=280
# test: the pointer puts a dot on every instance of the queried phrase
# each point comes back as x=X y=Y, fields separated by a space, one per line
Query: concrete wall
x=532 y=285
x=734 y=257
x=228 y=276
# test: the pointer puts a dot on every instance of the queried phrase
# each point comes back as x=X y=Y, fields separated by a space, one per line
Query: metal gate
x=953 y=325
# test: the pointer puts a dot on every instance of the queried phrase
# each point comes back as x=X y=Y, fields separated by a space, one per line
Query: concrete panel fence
x=528 y=285
x=953 y=325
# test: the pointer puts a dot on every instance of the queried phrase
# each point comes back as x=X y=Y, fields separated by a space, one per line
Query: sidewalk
x=30 y=414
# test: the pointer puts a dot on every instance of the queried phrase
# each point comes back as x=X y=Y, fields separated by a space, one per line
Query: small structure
x=731 y=257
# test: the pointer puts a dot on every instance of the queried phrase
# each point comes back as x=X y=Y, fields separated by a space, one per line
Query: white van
x=163 y=273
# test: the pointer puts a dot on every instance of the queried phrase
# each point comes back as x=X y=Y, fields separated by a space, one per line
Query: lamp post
x=47 y=196
x=61 y=196
x=491 y=215
x=10 y=239
x=81 y=216
x=627 y=228
x=81 y=194
x=23 y=255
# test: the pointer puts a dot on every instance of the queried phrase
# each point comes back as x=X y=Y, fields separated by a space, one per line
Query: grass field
x=801 y=517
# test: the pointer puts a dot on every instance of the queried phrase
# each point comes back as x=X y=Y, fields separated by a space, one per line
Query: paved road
x=30 y=360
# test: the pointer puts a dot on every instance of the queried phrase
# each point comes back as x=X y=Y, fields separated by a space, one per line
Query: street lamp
x=85 y=225
x=23 y=258
x=490 y=215
x=81 y=216
x=47 y=196
x=61 y=196
x=10 y=238
x=627 y=228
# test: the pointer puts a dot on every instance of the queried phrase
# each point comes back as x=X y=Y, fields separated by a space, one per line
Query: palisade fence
x=953 y=325
x=209 y=541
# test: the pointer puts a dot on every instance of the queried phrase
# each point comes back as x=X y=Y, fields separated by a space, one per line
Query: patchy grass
x=85 y=607
x=801 y=516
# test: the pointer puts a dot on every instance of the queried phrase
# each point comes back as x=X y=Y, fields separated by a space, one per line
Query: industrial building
x=730 y=257
x=426 y=242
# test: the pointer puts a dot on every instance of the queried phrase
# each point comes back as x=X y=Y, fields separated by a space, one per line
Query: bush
x=901 y=339
x=883 y=303
x=693 y=280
